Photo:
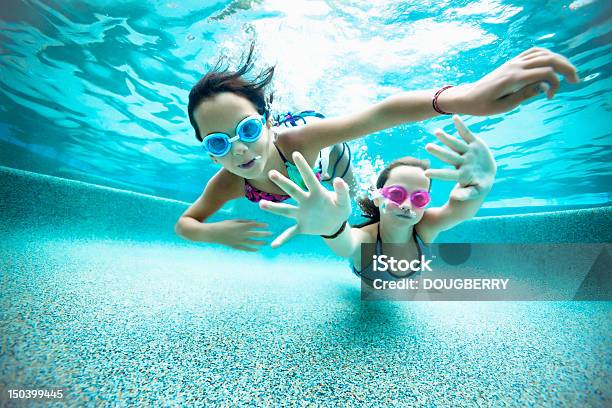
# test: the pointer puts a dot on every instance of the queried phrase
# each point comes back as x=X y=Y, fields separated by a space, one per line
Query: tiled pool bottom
x=126 y=322
x=99 y=298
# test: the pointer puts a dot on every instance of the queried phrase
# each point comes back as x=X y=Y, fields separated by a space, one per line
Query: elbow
x=190 y=229
x=179 y=229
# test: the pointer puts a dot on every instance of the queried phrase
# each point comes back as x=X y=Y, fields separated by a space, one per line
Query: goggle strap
x=373 y=193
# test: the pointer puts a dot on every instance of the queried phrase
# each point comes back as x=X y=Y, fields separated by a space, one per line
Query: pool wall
x=101 y=299
x=34 y=202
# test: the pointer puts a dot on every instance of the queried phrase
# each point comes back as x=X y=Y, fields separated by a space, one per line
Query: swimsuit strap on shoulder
x=417 y=241
x=283 y=158
x=378 y=240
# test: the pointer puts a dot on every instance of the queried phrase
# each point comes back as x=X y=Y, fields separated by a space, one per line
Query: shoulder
x=225 y=184
x=368 y=233
x=287 y=137
x=222 y=187
x=294 y=139
x=426 y=228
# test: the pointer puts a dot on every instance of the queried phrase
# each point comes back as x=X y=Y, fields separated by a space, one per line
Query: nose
x=406 y=205
x=238 y=148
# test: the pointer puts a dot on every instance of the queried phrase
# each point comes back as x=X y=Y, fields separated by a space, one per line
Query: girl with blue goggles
x=248 y=130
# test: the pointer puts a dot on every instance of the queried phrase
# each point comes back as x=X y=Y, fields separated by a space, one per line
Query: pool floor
x=128 y=322
x=100 y=301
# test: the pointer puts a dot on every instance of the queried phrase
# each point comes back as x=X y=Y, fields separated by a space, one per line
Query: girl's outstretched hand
x=474 y=164
x=519 y=79
x=319 y=211
x=241 y=234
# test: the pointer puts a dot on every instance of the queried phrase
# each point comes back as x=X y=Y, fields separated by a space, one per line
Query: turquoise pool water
x=97 y=91
x=101 y=299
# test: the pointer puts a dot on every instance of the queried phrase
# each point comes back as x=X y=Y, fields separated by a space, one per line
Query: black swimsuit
x=368 y=275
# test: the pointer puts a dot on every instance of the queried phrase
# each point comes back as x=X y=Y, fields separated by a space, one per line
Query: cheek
x=391 y=204
x=265 y=139
x=224 y=161
x=388 y=205
x=260 y=146
x=420 y=213
x=257 y=147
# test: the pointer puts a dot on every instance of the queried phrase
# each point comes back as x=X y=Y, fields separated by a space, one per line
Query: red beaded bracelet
x=434 y=103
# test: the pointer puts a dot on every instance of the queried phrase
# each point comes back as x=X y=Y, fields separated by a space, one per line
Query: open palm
x=474 y=163
x=318 y=211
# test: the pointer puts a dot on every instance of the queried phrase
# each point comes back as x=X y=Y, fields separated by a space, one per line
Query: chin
x=244 y=173
x=257 y=169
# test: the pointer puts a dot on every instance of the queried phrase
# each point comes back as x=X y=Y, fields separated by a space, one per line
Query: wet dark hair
x=220 y=79
x=370 y=210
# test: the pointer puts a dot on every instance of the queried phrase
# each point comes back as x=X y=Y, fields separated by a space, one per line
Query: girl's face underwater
x=220 y=114
x=412 y=179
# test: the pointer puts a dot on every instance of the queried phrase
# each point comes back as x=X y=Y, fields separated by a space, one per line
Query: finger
x=256 y=242
x=285 y=210
x=341 y=189
x=536 y=75
x=511 y=101
x=542 y=87
x=535 y=55
x=260 y=233
x=463 y=130
x=547 y=74
x=443 y=174
x=465 y=193
x=244 y=248
x=559 y=63
x=310 y=180
x=254 y=224
x=532 y=50
x=285 y=236
x=457 y=145
x=445 y=155
x=287 y=185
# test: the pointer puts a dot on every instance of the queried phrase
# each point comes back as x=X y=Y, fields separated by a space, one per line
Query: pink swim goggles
x=398 y=194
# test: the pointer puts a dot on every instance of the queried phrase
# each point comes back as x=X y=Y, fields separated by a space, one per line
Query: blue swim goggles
x=248 y=130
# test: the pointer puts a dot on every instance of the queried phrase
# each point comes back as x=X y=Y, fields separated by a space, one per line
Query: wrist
x=336 y=231
x=209 y=232
x=452 y=100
